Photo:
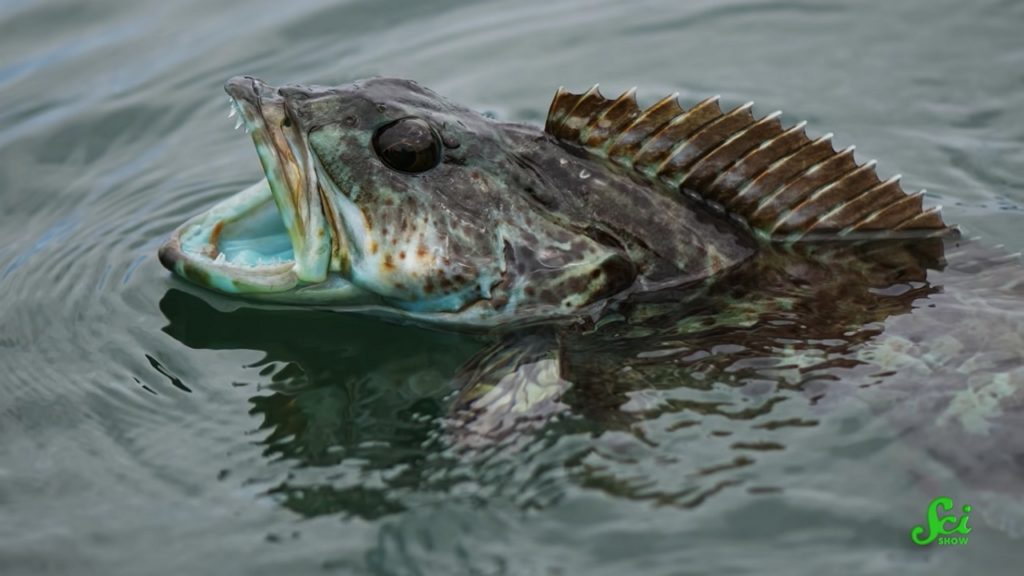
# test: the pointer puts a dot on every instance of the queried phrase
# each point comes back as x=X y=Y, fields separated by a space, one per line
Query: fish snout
x=249 y=89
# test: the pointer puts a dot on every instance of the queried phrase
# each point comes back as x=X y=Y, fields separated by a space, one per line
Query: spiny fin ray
x=776 y=179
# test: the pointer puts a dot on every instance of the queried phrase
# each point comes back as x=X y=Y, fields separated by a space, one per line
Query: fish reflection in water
x=672 y=398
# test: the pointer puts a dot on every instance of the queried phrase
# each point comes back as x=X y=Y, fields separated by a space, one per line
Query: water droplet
x=584 y=174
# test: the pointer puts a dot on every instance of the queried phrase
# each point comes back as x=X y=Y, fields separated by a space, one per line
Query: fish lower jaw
x=238 y=246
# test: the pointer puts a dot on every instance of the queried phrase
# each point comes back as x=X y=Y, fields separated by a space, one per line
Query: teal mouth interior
x=243 y=232
x=257 y=239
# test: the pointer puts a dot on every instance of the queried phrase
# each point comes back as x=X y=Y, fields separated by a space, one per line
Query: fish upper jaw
x=288 y=164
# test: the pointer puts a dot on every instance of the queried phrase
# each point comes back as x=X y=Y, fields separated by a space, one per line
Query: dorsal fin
x=777 y=180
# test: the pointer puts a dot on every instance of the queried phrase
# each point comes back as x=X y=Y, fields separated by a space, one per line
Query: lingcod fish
x=620 y=249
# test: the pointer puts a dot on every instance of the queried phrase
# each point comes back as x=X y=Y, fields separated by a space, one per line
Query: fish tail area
x=775 y=179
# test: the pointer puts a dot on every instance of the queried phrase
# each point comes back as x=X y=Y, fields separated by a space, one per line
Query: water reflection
x=340 y=389
x=670 y=398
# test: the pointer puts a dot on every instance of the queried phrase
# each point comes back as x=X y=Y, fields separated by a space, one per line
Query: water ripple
x=139 y=414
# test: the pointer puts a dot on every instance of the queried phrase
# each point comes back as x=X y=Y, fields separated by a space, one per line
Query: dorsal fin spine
x=796 y=179
x=574 y=122
x=865 y=169
x=739 y=186
x=677 y=179
x=627 y=99
x=799 y=202
x=883 y=185
x=774 y=166
x=774 y=179
x=678 y=119
x=673 y=97
x=718 y=160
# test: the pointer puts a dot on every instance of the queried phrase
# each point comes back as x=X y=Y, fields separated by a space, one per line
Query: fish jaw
x=200 y=251
x=287 y=163
x=240 y=247
x=272 y=237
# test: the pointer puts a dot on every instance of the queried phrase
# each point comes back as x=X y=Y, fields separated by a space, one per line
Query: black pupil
x=408 y=145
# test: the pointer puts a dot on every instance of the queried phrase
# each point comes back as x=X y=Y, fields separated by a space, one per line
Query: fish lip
x=288 y=166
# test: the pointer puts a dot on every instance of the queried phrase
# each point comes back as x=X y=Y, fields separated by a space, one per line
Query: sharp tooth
x=231 y=114
x=246 y=128
x=238 y=122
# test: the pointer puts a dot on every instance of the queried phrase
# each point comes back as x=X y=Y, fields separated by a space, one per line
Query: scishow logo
x=943 y=526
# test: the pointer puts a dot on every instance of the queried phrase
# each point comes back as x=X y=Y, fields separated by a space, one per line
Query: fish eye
x=408 y=145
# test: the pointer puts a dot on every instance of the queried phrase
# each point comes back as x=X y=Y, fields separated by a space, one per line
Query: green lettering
x=962 y=526
x=937 y=523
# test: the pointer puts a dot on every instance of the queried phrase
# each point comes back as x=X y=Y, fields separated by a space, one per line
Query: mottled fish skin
x=717 y=266
x=410 y=205
x=511 y=225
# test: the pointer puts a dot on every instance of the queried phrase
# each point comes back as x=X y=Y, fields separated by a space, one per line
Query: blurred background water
x=148 y=429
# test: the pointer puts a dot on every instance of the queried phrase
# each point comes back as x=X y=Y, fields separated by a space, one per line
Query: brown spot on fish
x=389 y=263
x=373 y=246
x=215 y=232
x=401 y=255
x=576 y=284
x=421 y=251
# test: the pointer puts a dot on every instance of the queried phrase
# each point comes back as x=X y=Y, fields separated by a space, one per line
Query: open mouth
x=271 y=236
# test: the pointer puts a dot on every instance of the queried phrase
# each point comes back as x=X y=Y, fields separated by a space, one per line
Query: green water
x=148 y=428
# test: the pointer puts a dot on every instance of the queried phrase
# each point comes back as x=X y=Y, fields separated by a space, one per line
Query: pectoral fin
x=514 y=384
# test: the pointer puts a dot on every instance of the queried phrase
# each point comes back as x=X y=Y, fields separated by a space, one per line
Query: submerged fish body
x=628 y=264
x=385 y=196
x=617 y=237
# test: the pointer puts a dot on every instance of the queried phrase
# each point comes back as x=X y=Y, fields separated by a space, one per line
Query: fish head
x=394 y=197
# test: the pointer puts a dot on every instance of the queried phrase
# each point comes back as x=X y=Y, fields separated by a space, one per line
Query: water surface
x=148 y=428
